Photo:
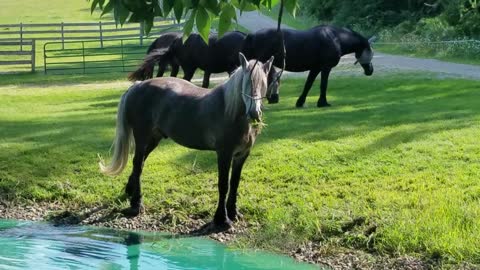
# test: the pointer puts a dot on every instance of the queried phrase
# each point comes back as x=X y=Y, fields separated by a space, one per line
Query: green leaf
x=148 y=25
x=178 y=9
x=100 y=3
x=120 y=13
x=187 y=28
x=157 y=10
x=204 y=22
x=211 y=5
x=228 y=12
x=94 y=5
x=167 y=6
x=291 y=6
x=270 y=3
x=108 y=8
x=244 y=5
x=135 y=18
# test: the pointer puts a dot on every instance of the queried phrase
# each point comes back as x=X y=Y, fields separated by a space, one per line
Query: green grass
x=401 y=152
x=52 y=11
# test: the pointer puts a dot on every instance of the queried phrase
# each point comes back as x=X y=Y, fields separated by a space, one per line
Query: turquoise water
x=31 y=245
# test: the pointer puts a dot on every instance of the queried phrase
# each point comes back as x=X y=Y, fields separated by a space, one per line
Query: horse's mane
x=234 y=88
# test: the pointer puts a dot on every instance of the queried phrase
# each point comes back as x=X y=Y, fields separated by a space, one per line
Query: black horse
x=221 y=120
x=164 y=42
x=318 y=49
x=220 y=55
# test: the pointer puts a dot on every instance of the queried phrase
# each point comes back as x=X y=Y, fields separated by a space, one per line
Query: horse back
x=220 y=55
x=176 y=109
x=314 y=48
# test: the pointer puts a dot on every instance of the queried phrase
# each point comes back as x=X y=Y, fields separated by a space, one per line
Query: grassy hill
x=52 y=11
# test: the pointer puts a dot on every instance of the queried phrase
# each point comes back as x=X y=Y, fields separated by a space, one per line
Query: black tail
x=145 y=71
x=152 y=46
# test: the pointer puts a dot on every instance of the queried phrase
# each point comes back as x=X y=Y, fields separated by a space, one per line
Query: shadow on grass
x=54 y=146
x=363 y=106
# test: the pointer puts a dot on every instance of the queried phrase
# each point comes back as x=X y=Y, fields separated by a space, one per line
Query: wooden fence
x=9 y=48
x=81 y=31
x=16 y=39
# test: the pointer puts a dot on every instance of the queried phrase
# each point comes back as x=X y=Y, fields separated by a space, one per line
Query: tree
x=198 y=13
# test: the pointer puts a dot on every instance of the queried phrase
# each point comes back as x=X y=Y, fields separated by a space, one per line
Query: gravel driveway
x=254 y=21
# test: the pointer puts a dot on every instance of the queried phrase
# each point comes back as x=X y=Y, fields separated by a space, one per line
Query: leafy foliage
x=199 y=13
x=462 y=16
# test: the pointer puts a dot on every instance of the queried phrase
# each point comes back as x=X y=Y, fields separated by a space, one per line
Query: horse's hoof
x=235 y=216
x=222 y=224
x=323 y=104
x=211 y=227
x=299 y=104
x=133 y=211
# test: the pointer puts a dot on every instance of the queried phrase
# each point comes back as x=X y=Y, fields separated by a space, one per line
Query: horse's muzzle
x=273 y=99
x=368 y=69
x=255 y=115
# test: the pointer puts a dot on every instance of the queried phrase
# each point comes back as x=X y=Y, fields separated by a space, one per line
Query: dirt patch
x=104 y=216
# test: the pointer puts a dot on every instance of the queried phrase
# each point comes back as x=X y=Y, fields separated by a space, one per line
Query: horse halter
x=253 y=98
x=362 y=59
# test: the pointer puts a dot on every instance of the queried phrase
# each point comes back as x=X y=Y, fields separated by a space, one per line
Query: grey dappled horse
x=220 y=120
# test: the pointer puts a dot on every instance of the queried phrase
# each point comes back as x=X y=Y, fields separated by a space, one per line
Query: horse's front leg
x=322 y=101
x=206 y=79
x=224 y=159
x=161 y=69
x=188 y=73
x=308 y=84
x=237 y=166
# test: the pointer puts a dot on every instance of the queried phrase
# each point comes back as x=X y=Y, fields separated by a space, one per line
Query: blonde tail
x=121 y=144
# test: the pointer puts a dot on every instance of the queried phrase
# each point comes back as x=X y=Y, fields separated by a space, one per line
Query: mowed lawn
x=52 y=11
x=402 y=152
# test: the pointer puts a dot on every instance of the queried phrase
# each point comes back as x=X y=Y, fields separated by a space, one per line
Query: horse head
x=273 y=89
x=365 y=56
x=254 y=85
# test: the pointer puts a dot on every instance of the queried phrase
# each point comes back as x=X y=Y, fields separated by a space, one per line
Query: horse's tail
x=152 y=46
x=122 y=143
x=145 y=71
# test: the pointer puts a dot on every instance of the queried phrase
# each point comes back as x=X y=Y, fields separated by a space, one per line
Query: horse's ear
x=243 y=60
x=268 y=65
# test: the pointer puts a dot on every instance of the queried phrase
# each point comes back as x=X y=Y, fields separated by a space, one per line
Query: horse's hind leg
x=175 y=68
x=152 y=143
x=322 y=101
x=206 y=79
x=133 y=186
x=237 y=166
x=308 y=84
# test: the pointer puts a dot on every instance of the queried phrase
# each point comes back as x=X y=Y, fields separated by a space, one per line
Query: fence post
x=45 y=58
x=63 y=37
x=33 y=55
x=123 y=60
x=101 y=34
x=83 y=56
x=141 y=33
x=21 y=36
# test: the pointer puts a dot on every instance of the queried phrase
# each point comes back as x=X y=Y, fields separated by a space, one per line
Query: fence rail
x=7 y=50
x=81 y=31
x=73 y=57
